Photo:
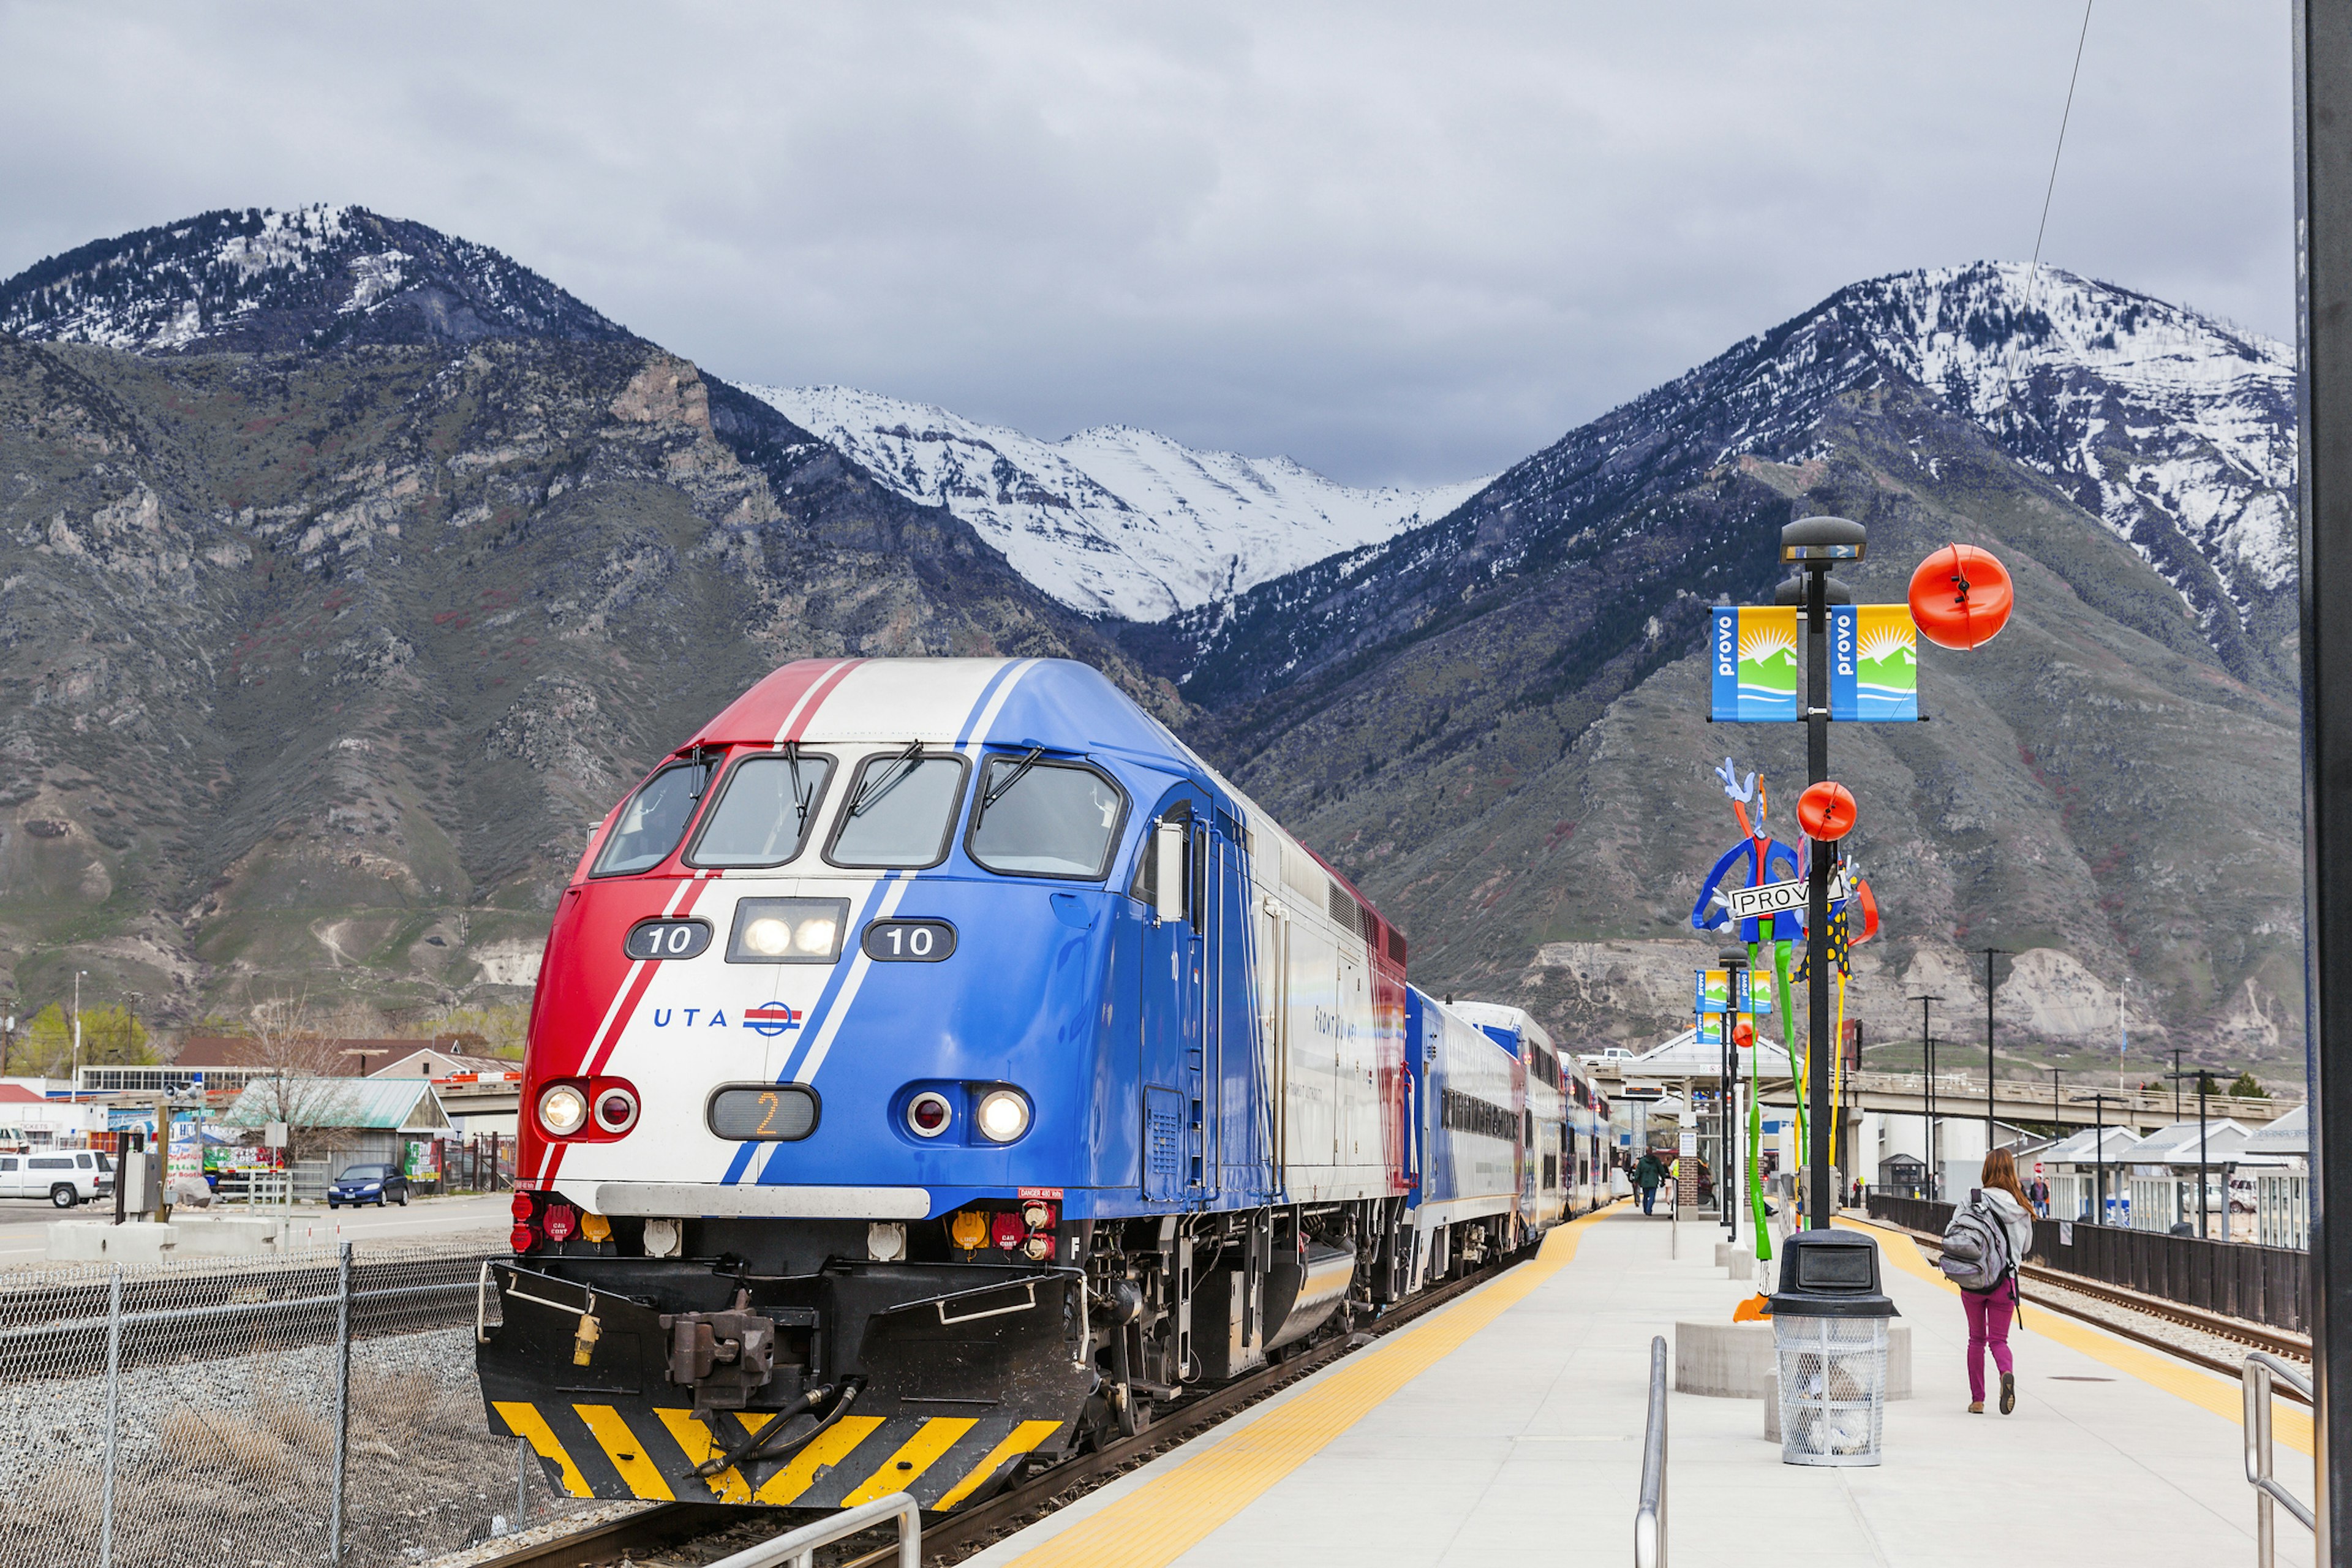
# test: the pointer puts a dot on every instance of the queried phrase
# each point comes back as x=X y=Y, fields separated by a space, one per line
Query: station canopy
x=1683 y=1056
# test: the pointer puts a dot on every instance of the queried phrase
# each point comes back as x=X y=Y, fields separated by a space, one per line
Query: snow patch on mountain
x=1113 y=520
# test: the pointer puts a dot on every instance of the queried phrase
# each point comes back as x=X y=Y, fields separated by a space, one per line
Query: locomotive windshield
x=899 y=812
x=654 y=820
x=764 y=814
x=1046 y=819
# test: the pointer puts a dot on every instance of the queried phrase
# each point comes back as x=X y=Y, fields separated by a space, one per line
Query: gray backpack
x=1976 y=1247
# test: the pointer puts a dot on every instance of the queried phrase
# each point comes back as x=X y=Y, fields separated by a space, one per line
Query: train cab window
x=900 y=812
x=654 y=821
x=1046 y=819
x=765 y=810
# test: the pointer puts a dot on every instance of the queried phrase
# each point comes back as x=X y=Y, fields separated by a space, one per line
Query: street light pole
x=2099 y=1158
x=1813 y=545
x=1989 y=954
x=1734 y=959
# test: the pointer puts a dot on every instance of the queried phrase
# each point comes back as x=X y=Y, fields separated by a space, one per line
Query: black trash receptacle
x=1829 y=1342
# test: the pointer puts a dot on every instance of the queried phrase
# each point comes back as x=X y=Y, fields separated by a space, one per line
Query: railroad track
x=967 y=1531
x=61 y=1330
x=2254 y=1336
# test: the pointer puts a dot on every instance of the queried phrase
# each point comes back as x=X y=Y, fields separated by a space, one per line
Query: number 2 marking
x=773 y=1102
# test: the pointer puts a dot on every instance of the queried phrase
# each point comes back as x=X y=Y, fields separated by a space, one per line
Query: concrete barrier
x=92 y=1241
x=1735 y=1361
x=145 y=1241
x=1724 y=1361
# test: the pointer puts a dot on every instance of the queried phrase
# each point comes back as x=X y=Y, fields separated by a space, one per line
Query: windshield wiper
x=901 y=768
x=801 y=801
x=1022 y=766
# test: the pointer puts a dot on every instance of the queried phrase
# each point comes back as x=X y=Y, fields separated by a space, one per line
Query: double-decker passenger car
x=935 y=1066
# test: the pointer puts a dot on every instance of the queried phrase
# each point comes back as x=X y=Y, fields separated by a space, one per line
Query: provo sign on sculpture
x=1781 y=897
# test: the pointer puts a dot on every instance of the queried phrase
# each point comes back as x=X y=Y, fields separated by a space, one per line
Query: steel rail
x=1650 y=1511
x=967 y=1530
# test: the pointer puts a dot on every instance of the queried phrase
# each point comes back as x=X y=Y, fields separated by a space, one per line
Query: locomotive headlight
x=562 y=1110
x=768 y=936
x=1002 y=1115
x=814 y=936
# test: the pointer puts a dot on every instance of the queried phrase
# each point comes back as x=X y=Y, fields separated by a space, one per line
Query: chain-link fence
x=318 y=1407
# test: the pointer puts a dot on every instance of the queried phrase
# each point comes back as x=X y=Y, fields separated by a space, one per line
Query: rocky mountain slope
x=349 y=572
x=1113 y=520
x=1497 y=721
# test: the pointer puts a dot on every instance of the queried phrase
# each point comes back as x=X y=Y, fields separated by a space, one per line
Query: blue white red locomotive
x=936 y=1066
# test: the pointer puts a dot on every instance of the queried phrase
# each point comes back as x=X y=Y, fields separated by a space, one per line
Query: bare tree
x=297 y=1076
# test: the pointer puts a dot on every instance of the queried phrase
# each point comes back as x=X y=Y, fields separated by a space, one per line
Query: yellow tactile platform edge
x=2289 y=1423
x=1166 y=1517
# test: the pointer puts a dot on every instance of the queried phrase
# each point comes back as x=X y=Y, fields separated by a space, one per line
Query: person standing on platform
x=1646 y=1177
x=1989 y=1311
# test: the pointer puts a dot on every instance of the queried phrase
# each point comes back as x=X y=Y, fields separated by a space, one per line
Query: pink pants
x=1988 y=1312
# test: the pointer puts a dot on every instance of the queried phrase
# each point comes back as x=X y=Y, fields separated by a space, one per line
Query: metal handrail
x=798 y=1548
x=2262 y=1370
x=1650 y=1515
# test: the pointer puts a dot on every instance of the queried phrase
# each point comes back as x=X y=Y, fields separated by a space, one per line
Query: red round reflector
x=1006 y=1230
x=558 y=1222
x=927 y=1114
x=615 y=1110
x=522 y=1207
x=523 y=1238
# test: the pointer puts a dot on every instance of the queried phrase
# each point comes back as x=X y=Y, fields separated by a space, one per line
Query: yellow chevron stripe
x=628 y=1456
x=916 y=1454
x=830 y=1449
x=525 y=1422
x=695 y=1441
x=1025 y=1436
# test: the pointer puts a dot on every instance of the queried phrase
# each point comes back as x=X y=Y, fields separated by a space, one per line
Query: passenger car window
x=899 y=812
x=1046 y=819
x=654 y=820
x=764 y=812
x=7 y=1164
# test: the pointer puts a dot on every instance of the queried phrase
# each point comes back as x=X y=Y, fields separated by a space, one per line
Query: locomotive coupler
x=725 y=1357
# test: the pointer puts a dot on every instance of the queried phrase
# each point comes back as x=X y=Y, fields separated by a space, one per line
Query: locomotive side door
x=1172 y=1008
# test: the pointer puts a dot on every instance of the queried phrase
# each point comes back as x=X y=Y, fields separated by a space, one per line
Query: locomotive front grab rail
x=798 y=1548
x=1650 y=1514
x=2260 y=1370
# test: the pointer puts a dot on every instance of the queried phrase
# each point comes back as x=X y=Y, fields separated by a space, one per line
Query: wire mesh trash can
x=1829 y=1342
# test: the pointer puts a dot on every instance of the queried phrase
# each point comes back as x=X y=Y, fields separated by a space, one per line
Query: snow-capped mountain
x=2176 y=430
x=262 y=281
x=1114 y=519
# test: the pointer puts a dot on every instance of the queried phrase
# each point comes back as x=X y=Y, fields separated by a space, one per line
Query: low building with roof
x=351 y=1121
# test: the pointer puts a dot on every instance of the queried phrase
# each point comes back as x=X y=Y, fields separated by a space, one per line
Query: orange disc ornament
x=1743 y=1034
x=1960 y=597
x=1826 y=811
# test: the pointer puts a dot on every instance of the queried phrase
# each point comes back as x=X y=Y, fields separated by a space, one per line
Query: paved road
x=21 y=1239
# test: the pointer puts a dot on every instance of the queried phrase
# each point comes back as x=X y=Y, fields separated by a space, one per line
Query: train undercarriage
x=783 y=1363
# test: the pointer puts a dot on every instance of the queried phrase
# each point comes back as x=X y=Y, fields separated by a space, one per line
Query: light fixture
x=1003 y=1115
x=927 y=1114
x=769 y=936
x=616 y=1110
x=815 y=936
x=563 y=1109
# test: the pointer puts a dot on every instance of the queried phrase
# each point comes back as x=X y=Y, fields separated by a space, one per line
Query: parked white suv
x=64 y=1176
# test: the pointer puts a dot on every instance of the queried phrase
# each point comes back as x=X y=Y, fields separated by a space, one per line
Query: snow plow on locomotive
x=936 y=1068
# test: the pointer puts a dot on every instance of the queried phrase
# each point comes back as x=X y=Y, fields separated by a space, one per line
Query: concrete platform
x=1507 y=1427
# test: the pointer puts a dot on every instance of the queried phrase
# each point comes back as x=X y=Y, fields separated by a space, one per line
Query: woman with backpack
x=1996 y=1226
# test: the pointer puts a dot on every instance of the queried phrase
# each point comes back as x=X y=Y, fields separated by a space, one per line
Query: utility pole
x=1989 y=954
x=80 y=975
x=2322 y=203
x=2175 y=1076
x=1927 y=1064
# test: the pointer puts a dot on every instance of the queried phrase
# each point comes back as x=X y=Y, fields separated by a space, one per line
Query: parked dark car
x=367 y=1184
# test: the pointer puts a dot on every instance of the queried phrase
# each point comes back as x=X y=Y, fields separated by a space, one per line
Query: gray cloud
x=1394 y=242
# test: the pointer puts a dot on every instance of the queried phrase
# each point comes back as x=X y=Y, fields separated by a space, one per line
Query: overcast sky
x=1398 y=243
